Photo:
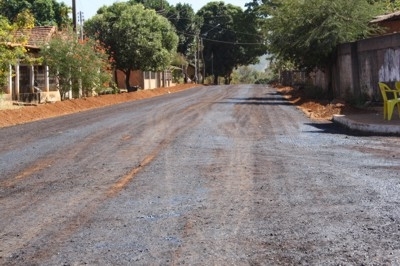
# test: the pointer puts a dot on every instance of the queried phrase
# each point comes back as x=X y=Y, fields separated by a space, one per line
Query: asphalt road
x=222 y=175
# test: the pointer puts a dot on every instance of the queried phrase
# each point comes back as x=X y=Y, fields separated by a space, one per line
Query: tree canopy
x=230 y=38
x=45 y=12
x=388 y=6
x=307 y=33
x=12 y=44
x=181 y=16
x=162 y=7
x=78 y=65
x=186 y=24
x=135 y=38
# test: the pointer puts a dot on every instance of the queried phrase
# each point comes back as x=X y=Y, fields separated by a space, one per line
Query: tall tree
x=135 y=38
x=262 y=8
x=162 y=7
x=387 y=5
x=45 y=12
x=307 y=32
x=230 y=38
x=186 y=24
x=185 y=21
x=390 y=5
x=181 y=16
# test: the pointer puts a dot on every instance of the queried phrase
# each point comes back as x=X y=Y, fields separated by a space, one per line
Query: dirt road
x=224 y=175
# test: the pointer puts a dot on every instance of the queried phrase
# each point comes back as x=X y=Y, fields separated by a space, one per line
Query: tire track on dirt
x=77 y=151
x=62 y=231
x=28 y=191
x=188 y=117
x=231 y=174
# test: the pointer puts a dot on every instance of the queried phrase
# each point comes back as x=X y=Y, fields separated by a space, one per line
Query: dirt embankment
x=26 y=114
x=315 y=109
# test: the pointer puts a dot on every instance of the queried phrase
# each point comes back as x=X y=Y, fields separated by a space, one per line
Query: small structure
x=146 y=79
x=32 y=83
x=390 y=23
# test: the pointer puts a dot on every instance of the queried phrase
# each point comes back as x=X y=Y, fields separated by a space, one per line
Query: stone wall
x=361 y=65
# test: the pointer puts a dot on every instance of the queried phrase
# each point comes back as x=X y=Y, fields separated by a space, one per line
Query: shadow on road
x=334 y=128
x=257 y=101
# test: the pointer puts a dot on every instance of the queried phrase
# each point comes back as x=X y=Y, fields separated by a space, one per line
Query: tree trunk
x=116 y=76
x=227 y=80
x=127 y=79
x=215 y=79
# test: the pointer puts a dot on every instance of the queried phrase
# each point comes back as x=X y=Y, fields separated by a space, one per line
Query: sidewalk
x=370 y=122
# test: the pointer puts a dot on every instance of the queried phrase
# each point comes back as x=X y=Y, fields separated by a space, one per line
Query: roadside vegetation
x=80 y=65
x=134 y=37
x=218 y=42
x=9 y=38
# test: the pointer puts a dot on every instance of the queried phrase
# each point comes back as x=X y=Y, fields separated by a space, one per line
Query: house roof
x=387 y=17
x=37 y=36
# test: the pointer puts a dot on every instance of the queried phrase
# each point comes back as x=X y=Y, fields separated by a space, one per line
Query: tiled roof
x=37 y=36
x=387 y=17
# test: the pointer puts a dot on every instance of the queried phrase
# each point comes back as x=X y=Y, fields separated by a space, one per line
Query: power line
x=234 y=43
x=210 y=25
x=218 y=41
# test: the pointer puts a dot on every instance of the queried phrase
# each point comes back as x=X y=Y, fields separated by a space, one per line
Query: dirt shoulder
x=315 y=109
x=15 y=116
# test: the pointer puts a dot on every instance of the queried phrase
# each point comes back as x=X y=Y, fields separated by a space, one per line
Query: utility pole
x=198 y=61
x=195 y=56
x=202 y=60
x=74 y=15
x=81 y=19
x=202 y=52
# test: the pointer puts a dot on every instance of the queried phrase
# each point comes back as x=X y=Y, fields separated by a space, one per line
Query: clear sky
x=90 y=7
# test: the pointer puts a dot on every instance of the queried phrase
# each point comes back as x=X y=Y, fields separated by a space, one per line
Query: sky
x=90 y=7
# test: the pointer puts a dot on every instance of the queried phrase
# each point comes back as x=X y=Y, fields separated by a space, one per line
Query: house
x=32 y=83
x=390 y=23
x=35 y=84
x=145 y=79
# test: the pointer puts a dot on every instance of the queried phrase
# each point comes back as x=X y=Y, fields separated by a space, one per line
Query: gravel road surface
x=218 y=175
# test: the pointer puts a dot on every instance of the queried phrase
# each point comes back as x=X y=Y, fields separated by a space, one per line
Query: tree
x=262 y=8
x=161 y=7
x=12 y=44
x=247 y=75
x=186 y=24
x=45 y=12
x=230 y=38
x=185 y=21
x=307 y=33
x=135 y=38
x=78 y=65
x=387 y=6
x=390 y=5
x=181 y=16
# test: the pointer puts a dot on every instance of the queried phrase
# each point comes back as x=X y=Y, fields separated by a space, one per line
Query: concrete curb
x=379 y=129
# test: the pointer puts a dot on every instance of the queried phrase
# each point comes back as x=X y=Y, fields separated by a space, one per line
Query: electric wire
x=218 y=41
